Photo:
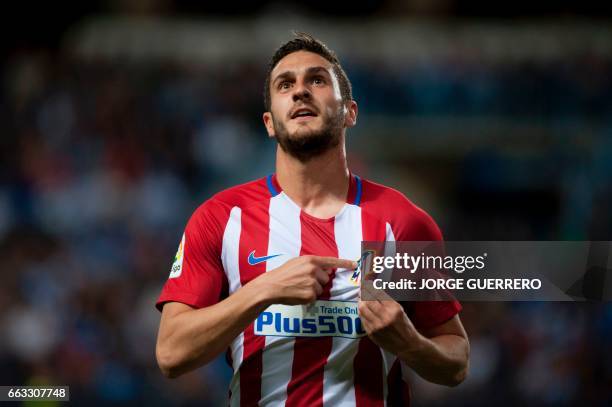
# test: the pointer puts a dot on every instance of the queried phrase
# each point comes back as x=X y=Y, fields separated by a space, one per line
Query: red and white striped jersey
x=300 y=356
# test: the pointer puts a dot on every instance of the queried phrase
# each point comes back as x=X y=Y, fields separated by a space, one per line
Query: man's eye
x=318 y=81
x=284 y=85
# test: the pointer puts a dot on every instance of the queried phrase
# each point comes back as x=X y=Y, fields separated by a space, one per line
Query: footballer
x=265 y=271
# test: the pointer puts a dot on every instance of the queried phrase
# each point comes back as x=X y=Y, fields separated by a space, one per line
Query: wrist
x=259 y=294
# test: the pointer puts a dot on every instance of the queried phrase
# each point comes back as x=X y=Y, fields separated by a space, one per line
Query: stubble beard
x=306 y=145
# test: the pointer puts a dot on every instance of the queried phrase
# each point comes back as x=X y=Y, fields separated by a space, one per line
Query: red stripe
x=367 y=365
x=255 y=228
x=399 y=392
x=310 y=354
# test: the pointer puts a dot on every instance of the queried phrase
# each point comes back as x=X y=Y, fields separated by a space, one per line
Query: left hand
x=386 y=323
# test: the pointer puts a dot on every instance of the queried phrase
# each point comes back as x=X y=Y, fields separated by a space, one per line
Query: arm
x=439 y=354
x=442 y=353
x=189 y=338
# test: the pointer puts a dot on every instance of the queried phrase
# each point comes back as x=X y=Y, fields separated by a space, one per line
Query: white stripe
x=284 y=239
x=338 y=382
x=235 y=390
x=229 y=258
x=348 y=234
x=230 y=250
x=338 y=376
x=236 y=349
x=388 y=358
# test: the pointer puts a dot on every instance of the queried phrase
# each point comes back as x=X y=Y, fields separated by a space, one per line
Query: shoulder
x=407 y=220
x=216 y=210
x=242 y=195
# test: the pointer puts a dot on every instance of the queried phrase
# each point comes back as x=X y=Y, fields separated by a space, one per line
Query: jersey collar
x=353 y=196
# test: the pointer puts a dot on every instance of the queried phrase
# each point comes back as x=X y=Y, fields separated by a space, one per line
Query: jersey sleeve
x=414 y=224
x=196 y=276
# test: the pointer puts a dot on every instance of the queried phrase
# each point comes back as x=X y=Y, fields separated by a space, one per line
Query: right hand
x=299 y=280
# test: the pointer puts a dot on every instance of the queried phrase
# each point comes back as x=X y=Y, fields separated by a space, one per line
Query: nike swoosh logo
x=256 y=260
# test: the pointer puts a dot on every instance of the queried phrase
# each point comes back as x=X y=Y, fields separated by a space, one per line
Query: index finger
x=334 y=263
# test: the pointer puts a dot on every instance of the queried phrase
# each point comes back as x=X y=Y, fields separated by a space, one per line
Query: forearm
x=442 y=359
x=189 y=338
x=195 y=337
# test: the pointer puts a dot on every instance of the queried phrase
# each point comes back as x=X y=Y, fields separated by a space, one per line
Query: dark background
x=119 y=118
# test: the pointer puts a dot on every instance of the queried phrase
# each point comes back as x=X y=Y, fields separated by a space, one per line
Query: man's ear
x=269 y=123
x=350 y=115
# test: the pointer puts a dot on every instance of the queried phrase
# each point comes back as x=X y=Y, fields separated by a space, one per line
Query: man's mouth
x=303 y=112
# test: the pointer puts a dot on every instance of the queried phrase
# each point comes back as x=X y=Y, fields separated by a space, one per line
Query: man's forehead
x=301 y=61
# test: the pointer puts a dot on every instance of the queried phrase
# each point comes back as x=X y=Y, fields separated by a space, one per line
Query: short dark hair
x=306 y=42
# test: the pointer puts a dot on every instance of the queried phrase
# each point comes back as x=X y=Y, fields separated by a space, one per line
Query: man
x=265 y=269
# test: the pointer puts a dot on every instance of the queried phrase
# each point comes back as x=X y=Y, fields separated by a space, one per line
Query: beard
x=307 y=144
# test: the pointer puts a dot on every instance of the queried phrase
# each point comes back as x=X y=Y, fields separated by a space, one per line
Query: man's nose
x=301 y=92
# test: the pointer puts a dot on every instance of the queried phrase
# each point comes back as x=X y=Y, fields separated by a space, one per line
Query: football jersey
x=315 y=355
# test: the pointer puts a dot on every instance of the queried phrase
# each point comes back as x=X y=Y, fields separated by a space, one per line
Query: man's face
x=307 y=112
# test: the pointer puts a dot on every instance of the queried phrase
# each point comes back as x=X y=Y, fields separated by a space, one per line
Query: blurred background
x=118 y=118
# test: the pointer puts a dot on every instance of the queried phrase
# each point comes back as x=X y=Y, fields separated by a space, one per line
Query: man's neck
x=319 y=186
